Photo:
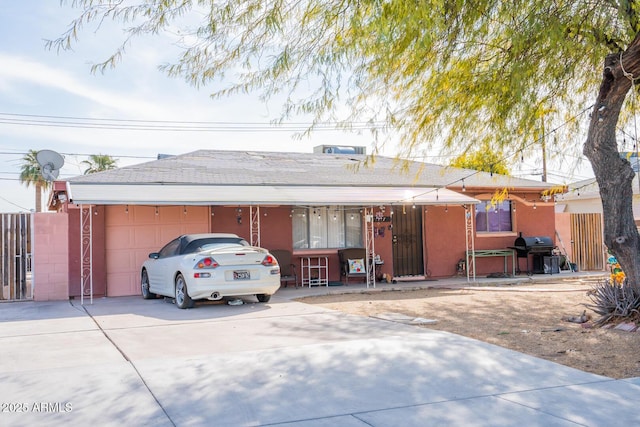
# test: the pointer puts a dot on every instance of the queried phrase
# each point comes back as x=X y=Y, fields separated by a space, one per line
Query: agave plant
x=613 y=299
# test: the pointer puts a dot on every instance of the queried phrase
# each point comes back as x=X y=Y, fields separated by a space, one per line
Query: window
x=493 y=218
x=213 y=243
x=326 y=227
x=170 y=249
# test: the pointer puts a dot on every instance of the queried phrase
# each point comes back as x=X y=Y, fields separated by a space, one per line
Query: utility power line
x=177 y=126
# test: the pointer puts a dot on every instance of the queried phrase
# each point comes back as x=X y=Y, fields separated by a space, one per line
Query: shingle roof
x=589 y=188
x=316 y=169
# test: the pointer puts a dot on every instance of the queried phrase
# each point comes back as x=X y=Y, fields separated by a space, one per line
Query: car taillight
x=207 y=263
x=269 y=261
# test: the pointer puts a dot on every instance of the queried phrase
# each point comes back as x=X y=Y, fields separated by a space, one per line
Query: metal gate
x=15 y=256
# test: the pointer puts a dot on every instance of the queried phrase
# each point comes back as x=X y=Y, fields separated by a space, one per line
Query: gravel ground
x=527 y=318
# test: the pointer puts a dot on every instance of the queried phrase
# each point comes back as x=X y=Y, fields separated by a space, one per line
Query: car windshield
x=214 y=243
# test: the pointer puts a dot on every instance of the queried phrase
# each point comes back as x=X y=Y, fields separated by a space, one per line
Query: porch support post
x=86 y=253
x=470 y=257
x=254 y=213
x=370 y=250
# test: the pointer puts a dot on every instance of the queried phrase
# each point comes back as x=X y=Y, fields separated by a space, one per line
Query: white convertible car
x=209 y=266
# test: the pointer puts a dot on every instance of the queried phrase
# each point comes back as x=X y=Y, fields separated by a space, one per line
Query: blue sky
x=37 y=82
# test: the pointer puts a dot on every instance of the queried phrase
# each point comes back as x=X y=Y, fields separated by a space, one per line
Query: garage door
x=132 y=232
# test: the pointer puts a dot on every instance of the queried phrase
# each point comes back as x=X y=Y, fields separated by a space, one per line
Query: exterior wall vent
x=339 y=149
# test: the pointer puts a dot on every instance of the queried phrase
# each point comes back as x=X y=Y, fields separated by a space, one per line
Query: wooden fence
x=15 y=256
x=587 y=241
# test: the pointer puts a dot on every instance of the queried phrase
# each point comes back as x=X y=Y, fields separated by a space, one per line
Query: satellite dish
x=50 y=163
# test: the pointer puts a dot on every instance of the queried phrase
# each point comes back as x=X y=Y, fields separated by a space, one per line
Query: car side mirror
x=154 y=255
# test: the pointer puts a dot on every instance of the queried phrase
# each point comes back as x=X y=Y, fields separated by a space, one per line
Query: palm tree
x=30 y=174
x=99 y=163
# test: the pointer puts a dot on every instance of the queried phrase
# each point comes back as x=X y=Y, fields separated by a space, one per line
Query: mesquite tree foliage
x=441 y=73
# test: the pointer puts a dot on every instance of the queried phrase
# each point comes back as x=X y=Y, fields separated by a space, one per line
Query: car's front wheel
x=263 y=297
x=183 y=300
x=144 y=285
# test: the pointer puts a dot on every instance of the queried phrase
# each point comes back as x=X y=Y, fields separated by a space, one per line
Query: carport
x=88 y=195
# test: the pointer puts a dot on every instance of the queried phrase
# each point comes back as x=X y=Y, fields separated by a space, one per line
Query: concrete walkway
x=126 y=361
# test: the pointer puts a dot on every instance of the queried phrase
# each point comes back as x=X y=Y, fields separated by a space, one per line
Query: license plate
x=241 y=275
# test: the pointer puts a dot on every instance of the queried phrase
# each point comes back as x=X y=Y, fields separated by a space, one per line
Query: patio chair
x=287 y=267
x=353 y=263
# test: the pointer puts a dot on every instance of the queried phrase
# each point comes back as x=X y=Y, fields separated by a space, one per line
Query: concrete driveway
x=126 y=361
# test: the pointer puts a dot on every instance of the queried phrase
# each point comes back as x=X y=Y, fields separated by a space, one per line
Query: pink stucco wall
x=563 y=226
x=51 y=257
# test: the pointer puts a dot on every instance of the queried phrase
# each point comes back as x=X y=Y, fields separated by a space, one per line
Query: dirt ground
x=525 y=318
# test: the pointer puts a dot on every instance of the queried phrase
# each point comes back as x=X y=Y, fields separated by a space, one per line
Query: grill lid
x=534 y=243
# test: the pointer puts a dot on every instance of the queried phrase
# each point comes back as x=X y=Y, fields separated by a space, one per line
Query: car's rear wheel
x=144 y=285
x=263 y=297
x=183 y=300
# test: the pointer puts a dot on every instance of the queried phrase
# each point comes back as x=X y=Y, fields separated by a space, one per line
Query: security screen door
x=407 y=242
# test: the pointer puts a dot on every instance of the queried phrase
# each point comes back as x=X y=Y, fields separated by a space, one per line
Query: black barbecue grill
x=538 y=247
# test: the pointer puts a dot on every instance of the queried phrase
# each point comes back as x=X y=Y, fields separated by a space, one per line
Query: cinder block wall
x=51 y=257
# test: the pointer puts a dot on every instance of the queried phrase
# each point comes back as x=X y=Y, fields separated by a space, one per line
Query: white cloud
x=31 y=72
